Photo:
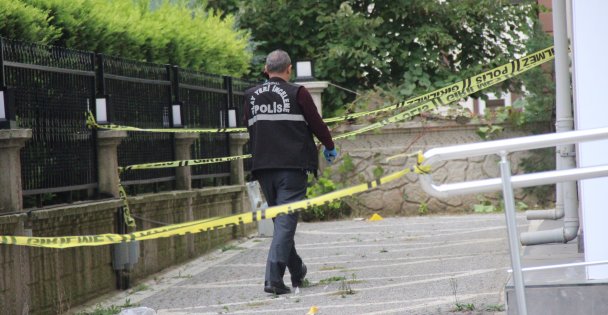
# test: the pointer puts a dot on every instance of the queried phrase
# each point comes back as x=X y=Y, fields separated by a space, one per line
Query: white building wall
x=590 y=66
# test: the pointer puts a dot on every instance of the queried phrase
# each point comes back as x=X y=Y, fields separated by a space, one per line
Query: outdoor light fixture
x=304 y=71
x=2 y=107
x=176 y=114
x=101 y=110
x=232 y=118
x=7 y=110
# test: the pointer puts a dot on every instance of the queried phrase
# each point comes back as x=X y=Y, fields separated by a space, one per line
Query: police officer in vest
x=282 y=118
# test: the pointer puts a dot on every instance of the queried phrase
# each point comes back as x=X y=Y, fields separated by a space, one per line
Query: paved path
x=415 y=265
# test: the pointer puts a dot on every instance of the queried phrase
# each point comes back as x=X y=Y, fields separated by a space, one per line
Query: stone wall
x=54 y=280
x=405 y=196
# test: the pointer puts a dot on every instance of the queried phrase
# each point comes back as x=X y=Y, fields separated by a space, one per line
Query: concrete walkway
x=415 y=265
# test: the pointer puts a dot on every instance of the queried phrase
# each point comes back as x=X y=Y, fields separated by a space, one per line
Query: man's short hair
x=277 y=61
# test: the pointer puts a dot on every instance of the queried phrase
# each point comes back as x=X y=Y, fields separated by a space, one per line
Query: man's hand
x=330 y=155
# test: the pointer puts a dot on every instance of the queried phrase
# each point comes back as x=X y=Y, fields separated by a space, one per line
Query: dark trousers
x=281 y=186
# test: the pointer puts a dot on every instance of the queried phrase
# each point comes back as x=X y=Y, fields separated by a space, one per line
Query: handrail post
x=507 y=190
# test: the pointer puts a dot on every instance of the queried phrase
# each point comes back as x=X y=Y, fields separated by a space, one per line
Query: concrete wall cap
x=6 y=134
x=187 y=135
x=239 y=136
x=108 y=134
x=314 y=84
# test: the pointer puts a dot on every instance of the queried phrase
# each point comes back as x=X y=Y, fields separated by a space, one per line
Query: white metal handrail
x=578 y=264
x=507 y=182
x=511 y=145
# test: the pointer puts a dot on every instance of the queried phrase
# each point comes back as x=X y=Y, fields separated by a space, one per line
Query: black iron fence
x=49 y=89
x=205 y=100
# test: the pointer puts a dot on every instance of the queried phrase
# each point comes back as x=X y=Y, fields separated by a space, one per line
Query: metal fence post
x=175 y=104
x=4 y=122
x=7 y=113
x=229 y=97
x=102 y=99
x=227 y=105
x=507 y=190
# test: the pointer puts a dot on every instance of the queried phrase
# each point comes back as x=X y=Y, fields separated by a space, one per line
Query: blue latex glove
x=330 y=155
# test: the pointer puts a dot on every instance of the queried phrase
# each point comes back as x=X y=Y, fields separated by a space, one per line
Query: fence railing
x=48 y=89
x=206 y=102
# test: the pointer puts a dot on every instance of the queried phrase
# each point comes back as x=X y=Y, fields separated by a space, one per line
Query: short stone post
x=107 y=161
x=182 y=144
x=11 y=143
x=316 y=89
x=11 y=200
x=237 y=173
x=183 y=177
x=108 y=180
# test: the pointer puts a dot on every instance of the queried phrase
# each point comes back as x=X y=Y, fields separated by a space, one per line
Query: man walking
x=281 y=120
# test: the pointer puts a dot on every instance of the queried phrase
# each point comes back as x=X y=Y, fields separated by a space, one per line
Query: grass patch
x=495 y=308
x=326 y=281
x=226 y=248
x=109 y=310
x=461 y=307
x=180 y=276
x=327 y=268
x=256 y=304
x=331 y=279
x=140 y=287
x=344 y=289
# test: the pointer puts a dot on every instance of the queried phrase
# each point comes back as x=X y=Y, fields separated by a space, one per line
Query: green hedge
x=170 y=32
x=21 y=21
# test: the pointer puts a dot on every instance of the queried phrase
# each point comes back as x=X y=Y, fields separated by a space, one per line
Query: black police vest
x=279 y=135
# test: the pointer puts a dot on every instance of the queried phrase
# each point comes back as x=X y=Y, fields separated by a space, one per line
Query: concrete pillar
x=237 y=171
x=183 y=177
x=11 y=142
x=107 y=161
x=182 y=144
x=11 y=200
x=316 y=88
x=237 y=176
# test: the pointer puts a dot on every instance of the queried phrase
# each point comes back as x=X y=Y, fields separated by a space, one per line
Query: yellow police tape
x=461 y=89
x=122 y=194
x=208 y=224
x=414 y=105
x=181 y=163
x=92 y=123
x=418 y=104
x=129 y=221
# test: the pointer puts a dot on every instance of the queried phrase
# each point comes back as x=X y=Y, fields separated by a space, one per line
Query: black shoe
x=296 y=282
x=276 y=288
